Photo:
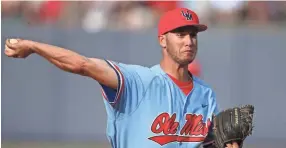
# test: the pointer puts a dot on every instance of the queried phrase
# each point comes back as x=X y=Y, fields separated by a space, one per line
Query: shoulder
x=201 y=83
x=138 y=69
x=130 y=67
x=204 y=86
x=133 y=71
x=208 y=93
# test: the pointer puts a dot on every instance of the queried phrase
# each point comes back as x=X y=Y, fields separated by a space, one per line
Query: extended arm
x=66 y=60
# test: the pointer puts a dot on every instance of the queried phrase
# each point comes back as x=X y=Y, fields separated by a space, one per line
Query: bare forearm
x=63 y=58
x=70 y=61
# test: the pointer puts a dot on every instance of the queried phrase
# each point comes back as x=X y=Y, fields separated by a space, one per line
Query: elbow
x=82 y=67
x=77 y=67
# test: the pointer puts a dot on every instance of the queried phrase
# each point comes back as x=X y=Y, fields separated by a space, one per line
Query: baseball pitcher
x=164 y=106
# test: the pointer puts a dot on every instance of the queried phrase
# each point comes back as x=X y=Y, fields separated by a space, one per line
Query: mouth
x=189 y=51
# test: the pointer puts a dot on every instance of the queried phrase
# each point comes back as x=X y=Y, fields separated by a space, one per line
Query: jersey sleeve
x=132 y=82
x=213 y=100
x=209 y=141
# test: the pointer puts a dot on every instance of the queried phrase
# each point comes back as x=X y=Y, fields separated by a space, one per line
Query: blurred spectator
x=225 y=11
x=130 y=15
x=96 y=17
x=50 y=11
x=137 y=15
x=277 y=10
x=73 y=12
x=202 y=8
x=159 y=7
x=10 y=8
x=162 y=6
x=257 y=12
x=29 y=11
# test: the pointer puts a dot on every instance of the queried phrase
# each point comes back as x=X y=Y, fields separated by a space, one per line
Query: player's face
x=181 y=45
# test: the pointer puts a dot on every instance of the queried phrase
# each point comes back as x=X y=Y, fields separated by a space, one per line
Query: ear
x=162 y=41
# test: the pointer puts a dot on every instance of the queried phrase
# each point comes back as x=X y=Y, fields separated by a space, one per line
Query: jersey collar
x=157 y=69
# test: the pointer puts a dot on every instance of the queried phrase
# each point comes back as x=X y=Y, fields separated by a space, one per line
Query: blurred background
x=241 y=56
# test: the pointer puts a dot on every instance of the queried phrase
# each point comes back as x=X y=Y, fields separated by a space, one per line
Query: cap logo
x=187 y=15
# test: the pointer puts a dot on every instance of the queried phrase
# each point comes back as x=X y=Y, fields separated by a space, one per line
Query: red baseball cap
x=179 y=17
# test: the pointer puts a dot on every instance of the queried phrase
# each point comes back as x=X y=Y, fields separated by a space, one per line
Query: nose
x=189 y=40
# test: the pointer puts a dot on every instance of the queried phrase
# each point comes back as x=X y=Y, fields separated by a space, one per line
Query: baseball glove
x=233 y=124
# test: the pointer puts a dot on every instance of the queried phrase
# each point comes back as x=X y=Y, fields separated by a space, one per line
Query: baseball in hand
x=9 y=51
x=13 y=41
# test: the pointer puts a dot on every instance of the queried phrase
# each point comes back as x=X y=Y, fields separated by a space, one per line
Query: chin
x=186 y=61
x=188 y=58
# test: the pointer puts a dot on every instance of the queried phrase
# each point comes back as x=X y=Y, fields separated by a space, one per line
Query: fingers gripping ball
x=8 y=50
x=233 y=124
x=13 y=41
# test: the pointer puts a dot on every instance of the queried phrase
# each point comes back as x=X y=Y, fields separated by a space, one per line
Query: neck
x=180 y=72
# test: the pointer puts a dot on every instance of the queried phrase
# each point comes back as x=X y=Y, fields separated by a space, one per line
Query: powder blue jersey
x=148 y=110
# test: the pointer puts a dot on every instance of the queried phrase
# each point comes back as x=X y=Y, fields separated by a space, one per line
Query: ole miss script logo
x=194 y=129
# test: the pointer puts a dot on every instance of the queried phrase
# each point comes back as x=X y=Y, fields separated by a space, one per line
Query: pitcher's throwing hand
x=18 y=48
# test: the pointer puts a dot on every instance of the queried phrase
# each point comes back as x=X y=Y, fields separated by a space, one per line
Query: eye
x=181 y=34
